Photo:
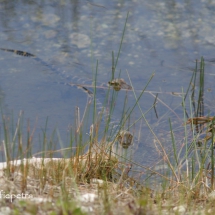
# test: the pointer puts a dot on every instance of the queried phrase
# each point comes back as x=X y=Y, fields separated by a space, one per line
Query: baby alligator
x=124 y=138
x=117 y=83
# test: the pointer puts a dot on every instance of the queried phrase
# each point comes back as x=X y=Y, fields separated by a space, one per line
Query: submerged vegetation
x=96 y=176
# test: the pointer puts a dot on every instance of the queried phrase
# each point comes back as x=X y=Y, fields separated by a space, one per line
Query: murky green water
x=164 y=37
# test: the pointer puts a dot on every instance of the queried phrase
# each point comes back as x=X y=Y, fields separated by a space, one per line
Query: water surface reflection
x=162 y=37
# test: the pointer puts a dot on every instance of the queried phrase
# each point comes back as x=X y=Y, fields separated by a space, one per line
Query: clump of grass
x=93 y=166
x=62 y=178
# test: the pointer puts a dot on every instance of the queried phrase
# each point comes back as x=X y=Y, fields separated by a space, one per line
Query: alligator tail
x=18 y=52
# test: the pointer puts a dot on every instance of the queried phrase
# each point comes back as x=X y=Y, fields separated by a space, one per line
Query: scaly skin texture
x=18 y=52
x=119 y=84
